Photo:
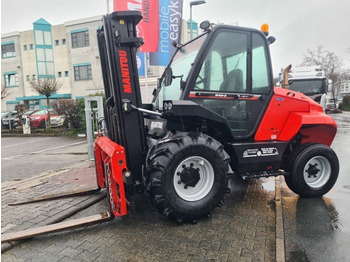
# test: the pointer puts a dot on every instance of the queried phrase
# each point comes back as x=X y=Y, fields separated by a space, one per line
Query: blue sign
x=140 y=59
x=170 y=20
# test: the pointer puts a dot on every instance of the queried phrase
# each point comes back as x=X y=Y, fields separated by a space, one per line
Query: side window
x=211 y=75
x=225 y=65
x=216 y=71
x=260 y=75
x=236 y=80
x=225 y=70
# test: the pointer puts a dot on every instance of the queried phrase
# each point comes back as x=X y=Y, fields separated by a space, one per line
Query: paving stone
x=242 y=230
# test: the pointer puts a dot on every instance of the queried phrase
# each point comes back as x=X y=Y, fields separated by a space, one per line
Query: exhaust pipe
x=285 y=82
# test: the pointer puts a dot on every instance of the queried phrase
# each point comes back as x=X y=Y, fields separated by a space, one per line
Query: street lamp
x=191 y=4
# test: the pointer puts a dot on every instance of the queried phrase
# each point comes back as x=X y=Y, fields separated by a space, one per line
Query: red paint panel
x=281 y=105
x=148 y=28
x=290 y=113
x=110 y=164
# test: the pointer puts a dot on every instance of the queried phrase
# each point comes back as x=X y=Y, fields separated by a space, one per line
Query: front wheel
x=314 y=171
x=187 y=176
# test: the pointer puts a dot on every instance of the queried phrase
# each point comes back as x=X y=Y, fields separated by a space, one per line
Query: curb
x=62 y=216
x=280 y=251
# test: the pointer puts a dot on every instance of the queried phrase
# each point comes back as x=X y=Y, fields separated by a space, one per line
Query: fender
x=290 y=113
x=313 y=128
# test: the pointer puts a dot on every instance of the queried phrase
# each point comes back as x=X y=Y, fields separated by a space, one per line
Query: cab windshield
x=308 y=87
x=181 y=67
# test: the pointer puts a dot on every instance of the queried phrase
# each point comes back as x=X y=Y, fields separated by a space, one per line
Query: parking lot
x=242 y=230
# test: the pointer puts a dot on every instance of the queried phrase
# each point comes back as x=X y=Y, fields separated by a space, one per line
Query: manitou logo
x=123 y=59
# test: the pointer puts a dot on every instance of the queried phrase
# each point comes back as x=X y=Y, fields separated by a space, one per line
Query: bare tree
x=69 y=109
x=4 y=92
x=47 y=87
x=329 y=61
x=20 y=108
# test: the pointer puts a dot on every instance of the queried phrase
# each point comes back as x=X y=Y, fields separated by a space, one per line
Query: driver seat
x=233 y=82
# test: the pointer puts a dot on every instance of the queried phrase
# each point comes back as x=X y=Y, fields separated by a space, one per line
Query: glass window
x=41 y=68
x=47 y=36
x=82 y=72
x=31 y=46
x=8 y=50
x=260 y=75
x=40 y=54
x=59 y=74
x=27 y=77
x=11 y=79
x=24 y=47
x=39 y=38
x=80 y=39
x=49 y=54
x=181 y=65
x=225 y=65
x=225 y=70
x=57 y=42
x=65 y=73
x=309 y=87
x=50 y=68
x=217 y=73
x=34 y=77
x=63 y=41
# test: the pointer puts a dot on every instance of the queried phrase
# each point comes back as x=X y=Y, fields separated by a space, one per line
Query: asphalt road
x=318 y=229
x=24 y=157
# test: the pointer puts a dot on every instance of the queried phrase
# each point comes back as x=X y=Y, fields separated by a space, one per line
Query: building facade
x=67 y=52
x=344 y=89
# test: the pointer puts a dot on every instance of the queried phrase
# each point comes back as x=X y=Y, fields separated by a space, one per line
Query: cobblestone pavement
x=242 y=230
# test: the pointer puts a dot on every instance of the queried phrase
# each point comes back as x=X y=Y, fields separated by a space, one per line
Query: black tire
x=314 y=170
x=290 y=164
x=186 y=176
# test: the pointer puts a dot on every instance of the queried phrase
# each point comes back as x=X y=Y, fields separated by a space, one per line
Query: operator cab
x=227 y=72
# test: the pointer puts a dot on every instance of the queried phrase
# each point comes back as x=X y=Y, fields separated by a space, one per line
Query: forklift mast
x=118 y=44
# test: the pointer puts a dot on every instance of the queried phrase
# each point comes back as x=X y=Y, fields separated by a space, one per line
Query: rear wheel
x=187 y=176
x=293 y=156
x=314 y=171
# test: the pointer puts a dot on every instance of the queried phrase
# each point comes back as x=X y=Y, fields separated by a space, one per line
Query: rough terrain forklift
x=215 y=114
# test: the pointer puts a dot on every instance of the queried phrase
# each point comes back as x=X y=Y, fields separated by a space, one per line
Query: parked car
x=40 y=118
x=9 y=119
x=57 y=121
x=331 y=108
x=30 y=112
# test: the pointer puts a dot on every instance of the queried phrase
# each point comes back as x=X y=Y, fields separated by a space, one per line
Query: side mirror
x=168 y=76
x=271 y=40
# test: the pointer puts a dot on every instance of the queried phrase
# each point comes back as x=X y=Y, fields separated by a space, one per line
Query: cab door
x=234 y=79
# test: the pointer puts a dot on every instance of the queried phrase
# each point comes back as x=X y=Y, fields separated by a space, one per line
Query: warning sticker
x=258 y=152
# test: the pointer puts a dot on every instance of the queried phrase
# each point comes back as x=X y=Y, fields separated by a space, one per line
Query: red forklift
x=215 y=114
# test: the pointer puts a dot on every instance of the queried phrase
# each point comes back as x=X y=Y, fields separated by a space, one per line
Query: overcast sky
x=296 y=24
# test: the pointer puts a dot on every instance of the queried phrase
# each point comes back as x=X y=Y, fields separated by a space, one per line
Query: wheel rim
x=317 y=172
x=201 y=181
